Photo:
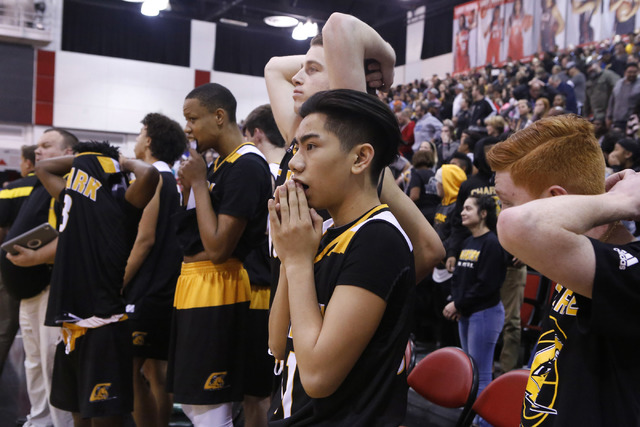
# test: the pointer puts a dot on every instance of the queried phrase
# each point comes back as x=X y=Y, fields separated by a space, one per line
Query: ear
x=257 y=136
x=221 y=117
x=555 y=190
x=363 y=157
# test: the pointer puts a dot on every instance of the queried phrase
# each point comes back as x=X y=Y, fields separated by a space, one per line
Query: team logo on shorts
x=216 y=381
x=138 y=337
x=100 y=392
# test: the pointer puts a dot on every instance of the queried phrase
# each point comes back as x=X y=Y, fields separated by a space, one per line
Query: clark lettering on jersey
x=80 y=182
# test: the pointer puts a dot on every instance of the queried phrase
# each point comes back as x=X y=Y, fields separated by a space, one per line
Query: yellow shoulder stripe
x=14 y=193
x=340 y=243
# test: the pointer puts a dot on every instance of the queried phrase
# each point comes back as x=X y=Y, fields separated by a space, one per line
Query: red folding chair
x=447 y=377
x=500 y=403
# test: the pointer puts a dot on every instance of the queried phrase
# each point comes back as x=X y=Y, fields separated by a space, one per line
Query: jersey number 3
x=65 y=211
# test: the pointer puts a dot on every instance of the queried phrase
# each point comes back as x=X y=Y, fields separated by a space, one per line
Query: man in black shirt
x=27 y=277
x=11 y=198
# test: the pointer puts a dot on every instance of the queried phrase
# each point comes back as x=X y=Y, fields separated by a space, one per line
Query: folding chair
x=447 y=377
x=500 y=403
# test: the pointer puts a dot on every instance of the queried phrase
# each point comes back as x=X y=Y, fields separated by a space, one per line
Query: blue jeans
x=478 y=336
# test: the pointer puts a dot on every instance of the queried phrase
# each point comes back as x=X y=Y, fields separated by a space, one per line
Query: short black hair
x=168 y=140
x=467 y=161
x=68 y=139
x=28 y=152
x=98 y=147
x=356 y=117
x=262 y=118
x=213 y=96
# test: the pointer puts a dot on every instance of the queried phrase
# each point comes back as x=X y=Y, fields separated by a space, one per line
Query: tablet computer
x=32 y=239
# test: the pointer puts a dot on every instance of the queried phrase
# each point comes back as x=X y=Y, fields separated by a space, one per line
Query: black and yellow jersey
x=97 y=231
x=12 y=197
x=240 y=186
x=150 y=292
x=373 y=253
x=37 y=208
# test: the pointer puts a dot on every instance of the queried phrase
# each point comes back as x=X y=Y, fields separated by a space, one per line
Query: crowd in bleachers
x=598 y=82
x=203 y=332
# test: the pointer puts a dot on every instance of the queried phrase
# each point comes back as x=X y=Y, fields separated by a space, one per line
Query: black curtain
x=438 y=27
x=115 y=32
x=16 y=84
x=438 y=31
x=246 y=50
x=395 y=32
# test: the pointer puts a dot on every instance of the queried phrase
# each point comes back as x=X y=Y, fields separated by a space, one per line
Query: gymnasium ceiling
x=373 y=12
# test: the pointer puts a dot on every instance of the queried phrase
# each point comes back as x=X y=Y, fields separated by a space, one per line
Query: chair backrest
x=500 y=403
x=447 y=377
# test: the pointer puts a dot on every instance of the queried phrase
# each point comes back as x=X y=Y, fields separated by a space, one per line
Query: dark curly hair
x=488 y=204
x=168 y=140
x=97 y=147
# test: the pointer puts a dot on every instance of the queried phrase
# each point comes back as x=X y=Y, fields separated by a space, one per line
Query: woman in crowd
x=540 y=108
x=525 y=115
x=475 y=286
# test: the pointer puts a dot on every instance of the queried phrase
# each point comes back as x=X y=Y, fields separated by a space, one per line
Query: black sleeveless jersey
x=373 y=253
x=97 y=231
x=239 y=186
x=150 y=292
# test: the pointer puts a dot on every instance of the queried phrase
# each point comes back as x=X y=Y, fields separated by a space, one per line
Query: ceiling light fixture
x=281 y=21
x=298 y=32
x=305 y=31
x=153 y=7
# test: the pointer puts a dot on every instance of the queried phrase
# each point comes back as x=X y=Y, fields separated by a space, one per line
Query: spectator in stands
x=462 y=120
x=579 y=81
x=475 y=287
x=428 y=127
x=480 y=109
x=560 y=101
x=624 y=97
x=625 y=155
x=457 y=101
x=525 y=115
x=495 y=126
x=407 y=127
x=540 y=108
x=445 y=145
x=422 y=185
x=565 y=89
x=598 y=89
x=432 y=96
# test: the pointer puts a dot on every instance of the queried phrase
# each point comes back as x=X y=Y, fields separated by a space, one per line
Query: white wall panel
x=113 y=94
x=203 y=44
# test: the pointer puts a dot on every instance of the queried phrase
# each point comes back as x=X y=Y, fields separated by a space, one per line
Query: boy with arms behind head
x=340 y=317
x=336 y=60
x=558 y=219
